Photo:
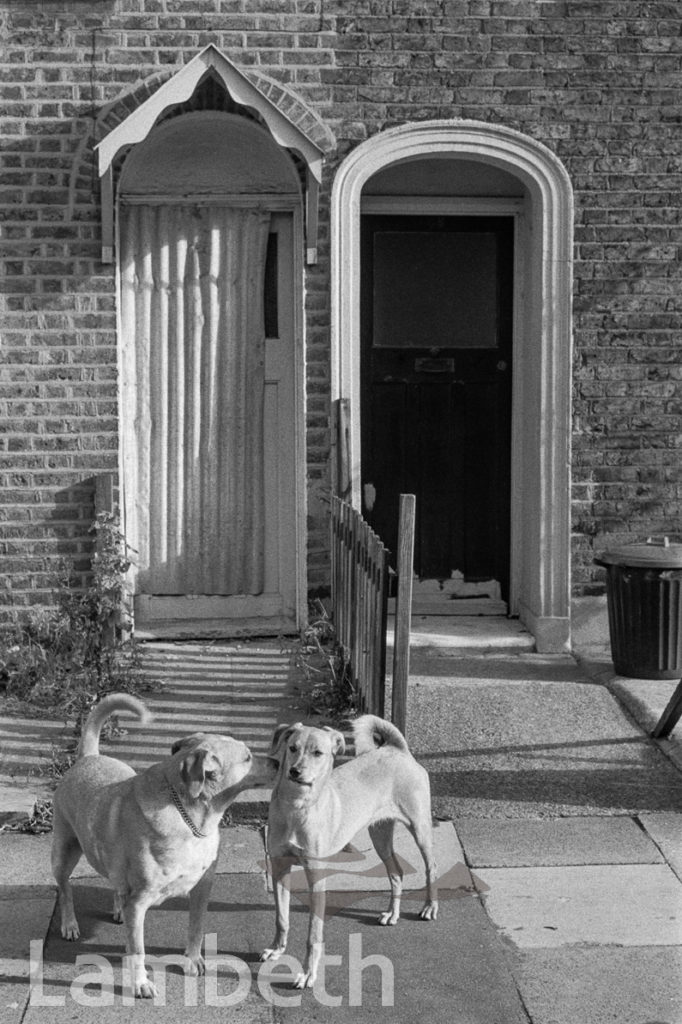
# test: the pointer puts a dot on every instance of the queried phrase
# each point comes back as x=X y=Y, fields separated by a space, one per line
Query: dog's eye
x=247 y=758
x=317 y=753
x=293 y=748
x=211 y=776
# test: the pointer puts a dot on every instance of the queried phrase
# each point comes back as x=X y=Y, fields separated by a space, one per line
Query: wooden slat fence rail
x=360 y=573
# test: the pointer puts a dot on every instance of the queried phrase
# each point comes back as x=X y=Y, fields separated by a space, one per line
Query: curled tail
x=107 y=707
x=371 y=732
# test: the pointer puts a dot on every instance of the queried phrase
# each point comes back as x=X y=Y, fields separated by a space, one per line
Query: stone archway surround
x=540 y=505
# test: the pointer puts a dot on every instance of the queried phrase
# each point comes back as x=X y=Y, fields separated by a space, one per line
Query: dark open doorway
x=436 y=326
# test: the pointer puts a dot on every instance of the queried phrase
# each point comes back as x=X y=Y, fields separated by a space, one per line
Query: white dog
x=153 y=835
x=316 y=810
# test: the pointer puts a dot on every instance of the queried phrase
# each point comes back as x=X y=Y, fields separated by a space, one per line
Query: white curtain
x=193 y=360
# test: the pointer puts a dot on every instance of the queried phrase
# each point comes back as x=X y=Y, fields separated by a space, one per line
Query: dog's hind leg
x=381 y=834
x=422 y=831
x=66 y=852
x=118 y=909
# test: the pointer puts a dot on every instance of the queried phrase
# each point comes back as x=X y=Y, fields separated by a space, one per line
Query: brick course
x=597 y=82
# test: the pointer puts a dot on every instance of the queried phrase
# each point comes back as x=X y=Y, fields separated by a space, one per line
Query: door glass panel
x=435 y=289
x=270 y=297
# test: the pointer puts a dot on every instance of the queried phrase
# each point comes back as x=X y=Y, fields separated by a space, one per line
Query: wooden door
x=210 y=493
x=436 y=308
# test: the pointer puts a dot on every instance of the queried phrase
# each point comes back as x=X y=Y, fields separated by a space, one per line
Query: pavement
x=558 y=834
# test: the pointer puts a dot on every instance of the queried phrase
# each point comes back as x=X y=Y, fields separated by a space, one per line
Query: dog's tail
x=107 y=707
x=371 y=732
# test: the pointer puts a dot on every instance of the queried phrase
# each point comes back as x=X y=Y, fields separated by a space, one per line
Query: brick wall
x=598 y=82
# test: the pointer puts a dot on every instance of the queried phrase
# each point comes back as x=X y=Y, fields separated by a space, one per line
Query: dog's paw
x=272 y=954
x=429 y=911
x=146 y=990
x=196 y=965
x=389 y=917
x=304 y=980
x=117 y=916
x=70 y=931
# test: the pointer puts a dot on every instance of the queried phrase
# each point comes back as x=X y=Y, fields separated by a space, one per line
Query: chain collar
x=183 y=813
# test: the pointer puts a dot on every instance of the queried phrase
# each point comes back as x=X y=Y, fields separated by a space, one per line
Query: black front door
x=436 y=308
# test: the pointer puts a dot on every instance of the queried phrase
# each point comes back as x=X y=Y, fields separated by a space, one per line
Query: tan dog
x=153 y=835
x=316 y=810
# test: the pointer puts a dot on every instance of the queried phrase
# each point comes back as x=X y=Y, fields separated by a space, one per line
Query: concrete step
x=242 y=689
x=460 y=636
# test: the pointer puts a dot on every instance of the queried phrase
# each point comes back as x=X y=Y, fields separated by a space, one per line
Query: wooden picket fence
x=360 y=573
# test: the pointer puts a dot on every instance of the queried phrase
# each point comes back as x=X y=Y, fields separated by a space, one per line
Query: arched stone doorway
x=475 y=169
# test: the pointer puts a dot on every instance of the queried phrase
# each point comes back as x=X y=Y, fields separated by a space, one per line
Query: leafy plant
x=61 y=661
x=323 y=667
x=64 y=659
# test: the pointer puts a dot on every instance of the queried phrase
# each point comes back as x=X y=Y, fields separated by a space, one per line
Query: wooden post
x=403 y=610
x=671 y=715
x=343 y=469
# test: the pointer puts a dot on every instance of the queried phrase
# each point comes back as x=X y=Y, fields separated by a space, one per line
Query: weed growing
x=323 y=667
x=59 y=662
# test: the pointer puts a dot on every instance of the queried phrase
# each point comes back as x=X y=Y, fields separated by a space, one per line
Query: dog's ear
x=187 y=741
x=338 y=742
x=193 y=772
x=281 y=735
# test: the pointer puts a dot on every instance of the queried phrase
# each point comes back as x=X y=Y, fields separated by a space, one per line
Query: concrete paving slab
x=361 y=870
x=25 y=859
x=576 y=985
x=666 y=832
x=591 y=840
x=242 y=850
x=451 y=970
x=25 y=914
x=625 y=905
x=426 y=970
x=485 y=722
x=239 y=915
x=13 y=990
x=535 y=749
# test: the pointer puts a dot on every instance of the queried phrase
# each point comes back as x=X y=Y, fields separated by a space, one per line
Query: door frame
x=275 y=204
x=540 y=521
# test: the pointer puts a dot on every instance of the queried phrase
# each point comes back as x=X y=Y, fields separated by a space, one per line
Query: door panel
x=214 y=517
x=436 y=320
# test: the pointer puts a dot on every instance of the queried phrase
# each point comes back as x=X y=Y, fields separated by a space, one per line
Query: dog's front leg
x=281 y=870
x=198 y=903
x=315 y=945
x=134 y=911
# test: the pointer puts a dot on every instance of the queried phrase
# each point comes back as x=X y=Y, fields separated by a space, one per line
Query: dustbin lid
x=654 y=554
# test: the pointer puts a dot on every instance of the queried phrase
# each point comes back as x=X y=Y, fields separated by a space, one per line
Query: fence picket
x=359 y=602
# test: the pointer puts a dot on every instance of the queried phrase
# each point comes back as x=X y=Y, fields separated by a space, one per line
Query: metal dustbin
x=644 y=598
